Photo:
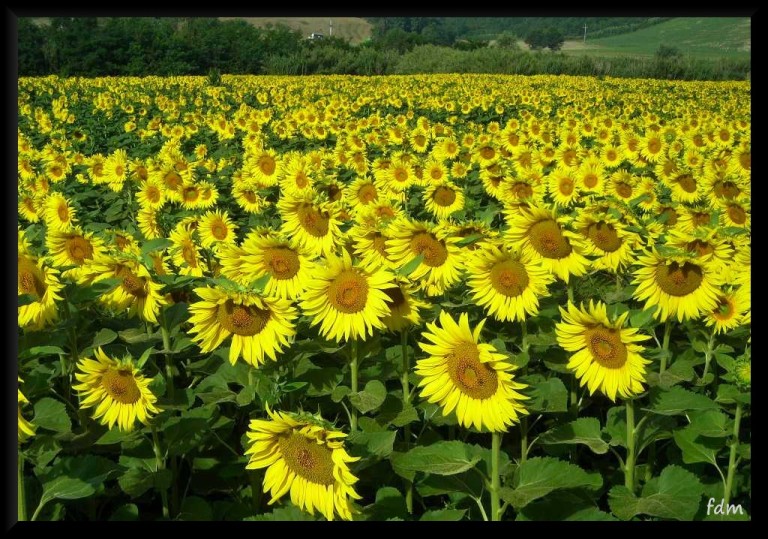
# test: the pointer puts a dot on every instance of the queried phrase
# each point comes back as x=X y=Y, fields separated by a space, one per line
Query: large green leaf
x=369 y=398
x=678 y=401
x=443 y=514
x=72 y=478
x=585 y=430
x=675 y=495
x=52 y=415
x=564 y=505
x=539 y=476
x=697 y=448
x=442 y=458
x=548 y=396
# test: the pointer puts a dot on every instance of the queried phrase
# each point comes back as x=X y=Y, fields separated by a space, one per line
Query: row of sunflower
x=285 y=211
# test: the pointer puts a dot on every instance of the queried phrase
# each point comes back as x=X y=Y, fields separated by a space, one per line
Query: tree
x=544 y=38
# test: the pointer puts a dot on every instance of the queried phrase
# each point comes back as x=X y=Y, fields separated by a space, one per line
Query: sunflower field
x=428 y=297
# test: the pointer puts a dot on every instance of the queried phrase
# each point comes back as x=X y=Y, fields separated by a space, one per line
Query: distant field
x=354 y=29
x=696 y=36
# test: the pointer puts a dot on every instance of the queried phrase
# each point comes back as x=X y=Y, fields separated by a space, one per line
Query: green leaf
x=640 y=318
x=411 y=266
x=175 y=315
x=548 y=396
x=104 y=336
x=125 y=513
x=730 y=394
x=697 y=448
x=25 y=299
x=156 y=244
x=585 y=430
x=72 y=478
x=52 y=415
x=678 y=401
x=339 y=392
x=676 y=495
x=444 y=515
x=539 y=476
x=370 y=398
x=710 y=423
x=136 y=481
x=441 y=458
x=39 y=351
x=195 y=508
x=469 y=240
x=379 y=444
x=287 y=513
x=564 y=505
x=389 y=504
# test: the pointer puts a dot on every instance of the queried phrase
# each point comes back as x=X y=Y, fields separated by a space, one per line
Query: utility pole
x=330 y=29
x=585 y=32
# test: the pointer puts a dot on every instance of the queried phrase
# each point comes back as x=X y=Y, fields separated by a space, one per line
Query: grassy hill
x=696 y=36
x=354 y=29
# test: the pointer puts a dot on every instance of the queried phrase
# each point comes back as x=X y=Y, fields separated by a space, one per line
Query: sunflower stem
x=524 y=420
x=495 y=477
x=353 y=383
x=665 y=346
x=629 y=465
x=160 y=465
x=569 y=289
x=708 y=355
x=406 y=403
x=732 y=457
x=22 y=499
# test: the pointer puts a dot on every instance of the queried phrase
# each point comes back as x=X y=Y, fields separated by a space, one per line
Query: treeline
x=207 y=46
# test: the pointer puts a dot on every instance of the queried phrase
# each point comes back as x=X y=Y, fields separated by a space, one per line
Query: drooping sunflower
x=347 y=300
x=537 y=232
x=73 y=248
x=607 y=239
x=606 y=356
x=440 y=267
x=58 y=214
x=467 y=376
x=42 y=284
x=305 y=457
x=732 y=304
x=442 y=199
x=314 y=225
x=259 y=326
x=26 y=429
x=137 y=293
x=508 y=284
x=682 y=286
x=117 y=390
x=289 y=265
x=404 y=306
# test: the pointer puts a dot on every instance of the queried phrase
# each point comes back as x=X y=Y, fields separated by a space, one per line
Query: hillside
x=353 y=29
x=696 y=36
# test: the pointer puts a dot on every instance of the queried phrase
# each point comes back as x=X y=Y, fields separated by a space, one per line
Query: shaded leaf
x=676 y=495
x=585 y=430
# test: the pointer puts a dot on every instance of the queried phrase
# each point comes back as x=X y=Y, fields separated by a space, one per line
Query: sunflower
x=506 y=283
x=369 y=243
x=185 y=253
x=607 y=239
x=313 y=225
x=404 y=306
x=440 y=267
x=622 y=185
x=264 y=166
x=590 y=176
x=137 y=292
x=606 y=357
x=472 y=378
x=117 y=390
x=216 y=227
x=58 y=214
x=146 y=218
x=731 y=307
x=537 y=232
x=681 y=286
x=73 y=248
x=400 y=175
x=306 y=457
x=443 y=198
x=562 y=186
x=30 y=208
x=362 y=192
x=247 y=198
x=347 y=300
x=151 y=194
x=26 y=429
x=259 y=326
x=289 y=265
x=737 y=214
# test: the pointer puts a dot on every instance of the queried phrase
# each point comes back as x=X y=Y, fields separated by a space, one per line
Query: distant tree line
x=89 y=46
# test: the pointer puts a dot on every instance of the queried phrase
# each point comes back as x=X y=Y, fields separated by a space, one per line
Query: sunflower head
x=305 y=457
x=117 y=390
x=605 y=354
